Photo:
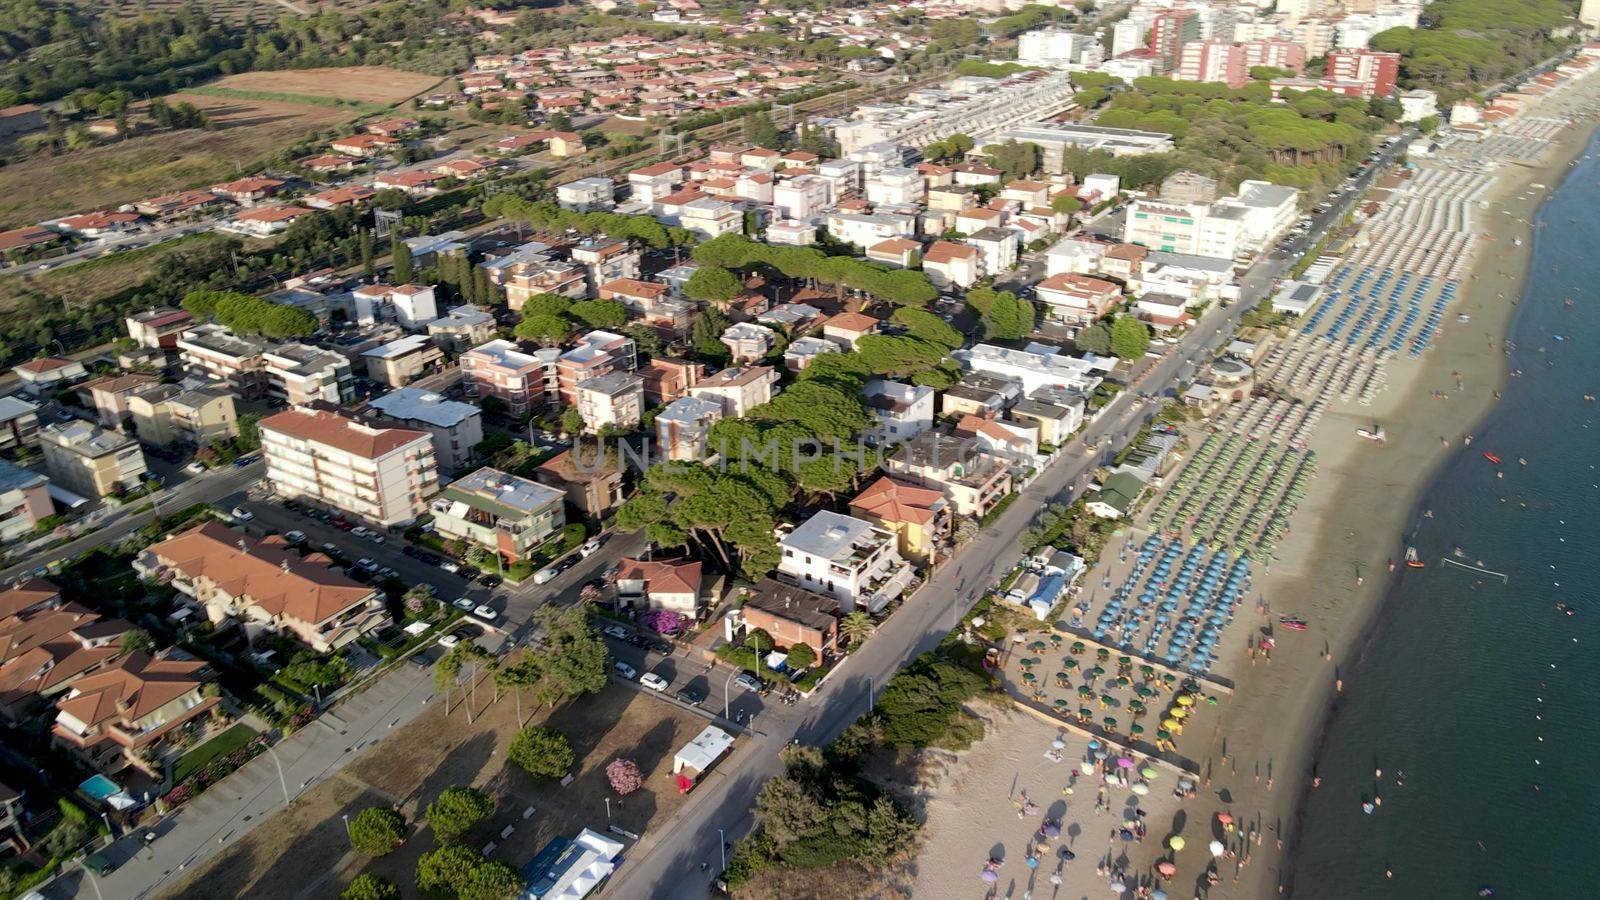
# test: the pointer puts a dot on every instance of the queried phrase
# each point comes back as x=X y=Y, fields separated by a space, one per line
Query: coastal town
x=705 y=449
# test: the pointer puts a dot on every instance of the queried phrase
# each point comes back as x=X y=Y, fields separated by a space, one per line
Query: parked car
x=360 y=531
x=368 y=565
x=489 y=579
x=653 y=681
x=295 y=537
x=546 y=575
x=691 y=696
x=449 y=641
x=748 y=682
x=242 y=515
x=616 y=631
x=450 y=565
x=194 y=468
x=464 y=603
x=486 y=613
x=625 y=670
x=589 y=548
x=374 y=537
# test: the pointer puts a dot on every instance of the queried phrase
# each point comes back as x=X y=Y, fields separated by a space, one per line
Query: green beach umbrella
x=1029 y=677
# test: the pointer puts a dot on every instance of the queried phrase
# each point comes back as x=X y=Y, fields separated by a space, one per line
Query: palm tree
x=857 y=626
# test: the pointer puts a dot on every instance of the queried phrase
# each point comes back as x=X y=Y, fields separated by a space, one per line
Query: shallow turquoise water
x=1476 y=690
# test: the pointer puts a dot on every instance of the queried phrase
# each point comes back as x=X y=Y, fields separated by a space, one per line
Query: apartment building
x=1277 y=54
x=748 y=342
x=381 y=475
x=711 y=217
x=168 y=414
x=607 y=259
x=1218 y=61
x=793 y=615
x=1194 y=229
x=219 y=355
x=997 y=249
x=950 y=265
x=456 y=427
x=899 y=411
x=593 y=485
x=1054 y=138
x=1036 y=366
x=1169 y=31
x=666 y=379
x=158 y=329
x=89 y=460
x=1361 y=72
x=108 y=396
x=853 y=560
x=461 y=328
x=500 y=369
x=651 y=183
x=19 y=423
x=132 y=713
x=737 y=390
x=24 y=501
x=967 y=475
x=896 y=186
x=298 y=374
x=597 y=353
x=264 y=586
x=803 y=198
x=613 y=400
x=587 y=195
x=530 y=270
x=920 y=516
x=1058 y=47
x=402 y=361
x=500 y=512
x=1077 y=300
x=683 y=427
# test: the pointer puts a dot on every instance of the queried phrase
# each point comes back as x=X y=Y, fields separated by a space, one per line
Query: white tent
x=702 y=752
x=589 y=860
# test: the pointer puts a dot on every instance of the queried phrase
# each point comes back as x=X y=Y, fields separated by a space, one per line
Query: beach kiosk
x=578 y=868
x=699 y=755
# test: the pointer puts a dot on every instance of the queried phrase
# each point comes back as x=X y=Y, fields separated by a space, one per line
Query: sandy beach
x=969 y=804
x=1258 y=753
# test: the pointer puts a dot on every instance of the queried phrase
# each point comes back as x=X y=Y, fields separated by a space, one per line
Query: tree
x=541 y=751
x=1014 y=159
x=706 y=333
x=377 y=830
x=368 y=270
x=249 y=438
x=713 y=283
x=419 y=600
x=1066 y=203
x=645 y=339
x=857 y=626
x=575 y=660
x=599 y=313
x=1095 y=339
x=545 y=304
x=1009 y=317
x=624 y=776
x=801 y=656
x=1129 y=337
x=787 y=810
x=400 y=255
x=136 y=640
x=543 y=330
x=456 y=811
x=926 y=326
x=760 y=130
x=368 y=886
x=466 y=875
x=571 y=421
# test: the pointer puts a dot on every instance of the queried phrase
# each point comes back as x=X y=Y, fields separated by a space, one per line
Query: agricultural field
x=90 y=282
x=361 y=84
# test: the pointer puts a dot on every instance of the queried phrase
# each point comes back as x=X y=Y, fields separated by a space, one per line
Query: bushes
x=216 y=771
x=377 y=831
x=456 y=811
x=921 y=705
x=368 y=886
x=466 y=874
x=623 y=774
x=542 y=751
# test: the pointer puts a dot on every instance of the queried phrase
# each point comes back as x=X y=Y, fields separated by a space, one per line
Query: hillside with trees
x=1461 y=45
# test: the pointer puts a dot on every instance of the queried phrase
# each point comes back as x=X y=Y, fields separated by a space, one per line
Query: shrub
x=368 y=886
x=456 y=811
x=377 y=831
x=542 y=751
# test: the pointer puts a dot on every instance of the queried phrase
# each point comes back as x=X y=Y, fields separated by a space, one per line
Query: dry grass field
x=364 y=84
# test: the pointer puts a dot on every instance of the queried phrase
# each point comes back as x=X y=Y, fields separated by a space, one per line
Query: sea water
x=1477 y=698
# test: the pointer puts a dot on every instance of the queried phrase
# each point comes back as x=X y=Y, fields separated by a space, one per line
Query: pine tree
x=368 y=270
x=403 y=268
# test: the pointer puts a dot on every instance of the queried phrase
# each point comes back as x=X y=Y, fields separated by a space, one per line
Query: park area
x=254 y=114
x=303 y=851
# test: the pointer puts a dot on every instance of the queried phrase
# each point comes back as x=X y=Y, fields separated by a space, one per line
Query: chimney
x=241 y=545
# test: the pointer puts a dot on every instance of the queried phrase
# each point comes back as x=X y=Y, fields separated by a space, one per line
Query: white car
x=465 y=603
x=195 y=468
x=242 y=514
x=360 y=531
x=616 y=631
x=486 y=613
x=625 y=670
x=589 y=548
x=375 y=537
x=368 y=565
x=546 y=575
x=653 y=681
x=449 y=641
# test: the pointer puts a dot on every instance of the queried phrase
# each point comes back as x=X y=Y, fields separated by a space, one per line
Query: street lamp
x=722 y=847
x=869 y=694
x=282 y=784
x=347 y=834
x=727 y=686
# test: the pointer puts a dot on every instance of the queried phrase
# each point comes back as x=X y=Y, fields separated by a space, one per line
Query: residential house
x=899 y=252
x=402 y=361
x=848 y=327
x=899 y=411
x=265 y=221
x=264 y=586
x=248 y=190
x=587 y=195
x=853 y=560
x=793 y=615
x=651 y=183
x=19 y=423
x=158 y=329
x=1116 y=497
x=1037 y=365
x=47 y=373
x=950 y=265
x=1055 y=423
x=682 y=427
x=91 y=461
x=593 y=482
x=132 y=712
x=108 y=396
x=24 y=501
x=973 y=480
x=334 y=198
x=748 y=342
x=921 y=517
x=46 y=644
x=456 y=427
x=502 y=513
x=979 y=394
x=1001 y=439
x=462 y=328
x=1077 y=300
x=613 y=400
x=380 y=475
x=363 y=146
x=801 y=352
x=737 y=390
x=168 y=414
x=672 y=585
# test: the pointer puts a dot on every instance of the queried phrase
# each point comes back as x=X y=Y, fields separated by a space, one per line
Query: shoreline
x=1278 y=720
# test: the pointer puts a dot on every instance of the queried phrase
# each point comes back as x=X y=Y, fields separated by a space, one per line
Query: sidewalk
x=226 y=812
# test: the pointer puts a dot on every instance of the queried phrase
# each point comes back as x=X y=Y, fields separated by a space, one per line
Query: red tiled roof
x=896 y=501
x=334 y=430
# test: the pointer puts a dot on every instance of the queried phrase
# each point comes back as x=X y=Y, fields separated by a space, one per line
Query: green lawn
x=219 y=746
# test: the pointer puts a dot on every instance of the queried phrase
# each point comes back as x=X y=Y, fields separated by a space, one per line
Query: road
x=668 y=863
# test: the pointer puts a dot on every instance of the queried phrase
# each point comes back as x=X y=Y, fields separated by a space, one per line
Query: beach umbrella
x=1085 y=691
x=1185 y=700
x=989 y=876
x=1224 y=818
x=1124 y=762
x=1086 y=767
x=1033 y=862
x=1110 y=723
x=1149 y=772
x=1097 y=671
x=1136 y=729
x=1077 y=646
x=1055 y=639
x=1118 y=888
x=1169 y=724
x=1085 y=713
x=1141 y=789
x=1052 y=830
x=1166 y=868
x=1216 y=848
x=1029 y=677
x=1069 y=664
x=1175 y=842
x=1159 y=894
x=1037 y=646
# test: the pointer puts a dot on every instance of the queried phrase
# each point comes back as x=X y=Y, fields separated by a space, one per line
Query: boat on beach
x=1412 y=559
x=1374 y=434
x=1491 y=457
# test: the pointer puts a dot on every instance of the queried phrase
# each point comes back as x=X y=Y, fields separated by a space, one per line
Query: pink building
x=1213 y=61
x=1371 y=73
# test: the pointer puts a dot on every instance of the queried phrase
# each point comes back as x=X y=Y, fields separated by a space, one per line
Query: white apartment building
x=218 y=354
x=683 y=426
x=1058 y=47
x=710 y=217
x=380 y=475
x=1037 y=366
x=969 y=105
x=865 y=229
x=1195 y=229
x=651 y=183
x=899 y=412
x=896 y=186
x=412 y=306
x=856 y=562
x=456 y=427
x=1054 y=137
x=997 y=249
x=803 y=198
x=586 y=195
x=298 y=374
x=736 y=390
x=614 y=400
